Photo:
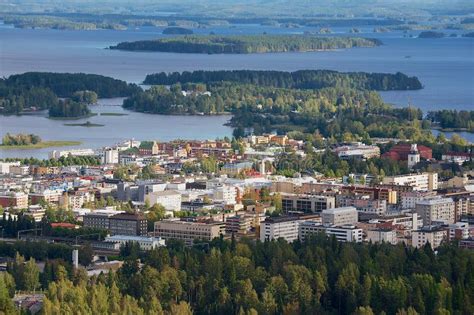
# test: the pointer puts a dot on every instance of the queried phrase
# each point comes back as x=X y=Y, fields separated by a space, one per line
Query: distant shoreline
x=41 y=145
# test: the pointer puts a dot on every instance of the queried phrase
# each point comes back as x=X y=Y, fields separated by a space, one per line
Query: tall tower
x=413 y=156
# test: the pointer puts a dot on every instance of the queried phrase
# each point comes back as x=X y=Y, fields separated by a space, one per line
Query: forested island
x=303 y=79
x=431 y=34
x=34 y=91
x=59 y=23
x=245 y=44
x=177 y=31
x=69 y=109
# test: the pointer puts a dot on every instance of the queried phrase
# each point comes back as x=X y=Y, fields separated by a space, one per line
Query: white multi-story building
x=408 y=199
x=76 y=152
x=282 y=227
x=339 y=216
x=307 y=202
x=358 y=150
x=423 y=181
x=145 y=242
x=435 y=235
x=436 y=209
x=459 y=230
x=382 y=235
x=5 y=166
x=111 y=156
x=169 y=199
x=21 y=170
x=343 y=233
x=227 y=194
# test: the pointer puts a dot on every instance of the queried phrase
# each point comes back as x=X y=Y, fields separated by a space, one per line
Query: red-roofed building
x=64 y=225
x=400 y=152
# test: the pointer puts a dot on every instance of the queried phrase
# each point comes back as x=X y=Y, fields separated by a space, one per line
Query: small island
x=431 y=34
x=31 y=141
x=177 y=31
x=69 y=109
x=86 y=124
x=246 y=44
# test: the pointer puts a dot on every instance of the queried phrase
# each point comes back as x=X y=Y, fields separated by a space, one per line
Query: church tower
x=413 y=156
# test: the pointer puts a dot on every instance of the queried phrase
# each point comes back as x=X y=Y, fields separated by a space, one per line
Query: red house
x=400 y=152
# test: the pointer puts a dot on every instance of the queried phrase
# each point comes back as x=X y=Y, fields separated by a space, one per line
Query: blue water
x=444 y=66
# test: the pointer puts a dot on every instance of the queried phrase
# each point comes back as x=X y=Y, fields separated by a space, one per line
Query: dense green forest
x=303 y=79
x=41 y=90
x=335 y=112
x=431 y=34
x=65 y=84
x=318 y=276
x=69 y=109
x=177 y=31
x=58 y=23
x=453 y=119
x=245 y=44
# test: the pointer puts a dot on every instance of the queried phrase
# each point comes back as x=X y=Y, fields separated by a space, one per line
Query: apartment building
x=18 y=200
x=5 y=167
x=110 y=156
x=227 y=194
x=363 y=203
x=423 y=181
x=339 y=216
x=436 y=209
x=20 y=170
x=375 y=193
x=382 y=235
x=344 y=233
x=434 y=235
x=458 y=230
x=169 y=199
x=76 y=199
x=188 y=231
x=128 y=224
x=47 y=195
x=307 y=203
x=409 y=199
x=286 y=227
x=239 y=224
x=99 y=219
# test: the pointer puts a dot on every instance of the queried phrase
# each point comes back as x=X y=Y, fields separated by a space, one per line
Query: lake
x=133 y=125
x=444 y=66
